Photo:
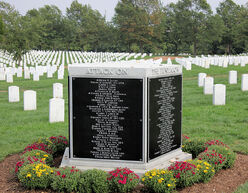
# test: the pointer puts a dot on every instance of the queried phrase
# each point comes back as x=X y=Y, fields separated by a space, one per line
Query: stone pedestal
x=126 y=115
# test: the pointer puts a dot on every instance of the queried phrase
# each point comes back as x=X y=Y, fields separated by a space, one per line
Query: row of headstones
x=36 y=72
x=54 y=58
x=219 y=90
x=56 y=104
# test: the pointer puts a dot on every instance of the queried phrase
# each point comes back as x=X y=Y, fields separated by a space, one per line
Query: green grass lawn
x=228 y=123
x=242 y=189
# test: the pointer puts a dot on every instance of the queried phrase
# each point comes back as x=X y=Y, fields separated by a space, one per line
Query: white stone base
x=161 y=162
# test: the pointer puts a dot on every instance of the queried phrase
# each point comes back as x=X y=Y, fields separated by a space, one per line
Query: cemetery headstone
x=208 y=85
x=56 y=110
x=244 y=82
x=232 y=77
x=219 y=95
x=29 y=100
x=14 y=95
x=57 y=90
x=201 y=77
x=36 y=76
x=9 y=78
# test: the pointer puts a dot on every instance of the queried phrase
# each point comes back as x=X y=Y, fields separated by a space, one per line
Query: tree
x=15 y=40
x=1 y=27
x=228 y=11
x=88 y=25
x=188 y=20
x=136 y=21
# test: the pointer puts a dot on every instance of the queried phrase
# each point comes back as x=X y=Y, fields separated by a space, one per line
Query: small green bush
x=193 y=146
x=59 y=144
x=66 y=180
x=217 y=160
x=159 y=181
x=36 y=175
x=185 y=173
x=41 y=155
x=94 y=181
x=204 y=169
x=122 y=180
x=226 y=152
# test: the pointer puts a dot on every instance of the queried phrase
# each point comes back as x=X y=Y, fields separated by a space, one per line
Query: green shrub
x=122 y=180
x=193 y=146
x=41 y=155
x=36 y=175
x=227 y=153
x=59 y=144
x=185 y=173
x=94 y=181
x=204 y=169
x=66 y=180
x=217 y=160
x=159 y=181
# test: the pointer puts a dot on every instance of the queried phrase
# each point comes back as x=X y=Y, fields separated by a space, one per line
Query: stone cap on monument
x=122 y=69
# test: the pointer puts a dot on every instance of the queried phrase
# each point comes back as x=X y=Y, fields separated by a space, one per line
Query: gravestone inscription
x=165 y=104
x=107 y=118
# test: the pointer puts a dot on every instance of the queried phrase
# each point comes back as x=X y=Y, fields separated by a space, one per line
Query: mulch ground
x=225 y=181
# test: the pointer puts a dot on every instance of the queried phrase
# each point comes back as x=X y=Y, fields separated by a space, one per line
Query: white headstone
x=14 y=95
x=2 y=75
x=9 y=78
x=219 y=95
x=29 y=100
x=169 y=61
x=244 y=82
x=60 y=74
x=19 y=72
x=36 y=76
x=49 y=74
x=232 y=77
x=56 y=110
x=208 y=85
x=26 y=73
x=201 y=77
x=57 y=90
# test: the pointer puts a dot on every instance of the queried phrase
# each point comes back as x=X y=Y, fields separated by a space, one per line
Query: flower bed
x=35 y=170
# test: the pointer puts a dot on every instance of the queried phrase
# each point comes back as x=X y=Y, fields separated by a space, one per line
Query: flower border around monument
x=35 y=169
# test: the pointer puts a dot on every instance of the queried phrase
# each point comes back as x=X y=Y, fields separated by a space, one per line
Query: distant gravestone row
x=56 y=104
x=219 y=90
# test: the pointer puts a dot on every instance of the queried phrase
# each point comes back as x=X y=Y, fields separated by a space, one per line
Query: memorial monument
x=126 y=114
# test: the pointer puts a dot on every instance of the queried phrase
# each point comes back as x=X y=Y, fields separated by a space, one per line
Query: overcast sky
x=105 y=7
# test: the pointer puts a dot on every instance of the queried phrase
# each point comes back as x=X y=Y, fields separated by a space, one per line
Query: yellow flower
x=213 y=170
x=37 y=153
x=162 y=178
x=150 y=177
x=28 y=175
x=183 y=146
x=160 y=181
x=207 y=168
x=45 y=155
x=205 y=171
x=162 y=172
x=168 y=185
x=143 y=179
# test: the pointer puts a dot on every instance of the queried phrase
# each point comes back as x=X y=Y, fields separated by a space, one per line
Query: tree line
x=187 y=26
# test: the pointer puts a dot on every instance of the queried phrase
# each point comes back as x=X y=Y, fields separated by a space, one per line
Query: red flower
x=58 y=173
x=178 y=175
x=63 y=176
